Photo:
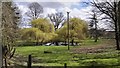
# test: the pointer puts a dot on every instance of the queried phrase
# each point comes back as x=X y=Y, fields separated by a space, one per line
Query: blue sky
x=80 y=5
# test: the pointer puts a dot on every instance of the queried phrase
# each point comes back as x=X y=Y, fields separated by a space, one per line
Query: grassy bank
x=58 y=55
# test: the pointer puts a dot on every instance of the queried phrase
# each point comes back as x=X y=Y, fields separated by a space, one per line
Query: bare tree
x=110 y=9
x=10 y=18
x=56 y=19
x=35 y=10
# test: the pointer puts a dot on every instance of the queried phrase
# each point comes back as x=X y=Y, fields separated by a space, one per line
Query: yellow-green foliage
x=77 y=30
x=43 y=24
x=30 y=33
x=61 y=34
x=41 y=31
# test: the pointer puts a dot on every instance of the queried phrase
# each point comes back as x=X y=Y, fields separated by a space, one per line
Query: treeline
x=42 y=31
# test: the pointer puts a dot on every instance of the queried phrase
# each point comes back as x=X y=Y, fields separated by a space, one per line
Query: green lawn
x=59 y=55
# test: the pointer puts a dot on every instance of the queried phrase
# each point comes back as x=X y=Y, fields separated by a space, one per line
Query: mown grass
x=91 y=42
x=59 y=55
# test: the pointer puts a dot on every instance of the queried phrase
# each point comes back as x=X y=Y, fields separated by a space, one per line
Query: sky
x=77 y=8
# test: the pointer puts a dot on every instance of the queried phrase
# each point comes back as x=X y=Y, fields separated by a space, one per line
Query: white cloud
x=69 y=4
x=48 y=11
x=48 y=0
x=74 y=12
x=83 y=13
x=106 y=0
x=23 y=8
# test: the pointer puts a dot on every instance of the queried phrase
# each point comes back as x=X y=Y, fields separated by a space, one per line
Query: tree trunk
x=56 y=43
x=116 y=27
x=96 y=33
x=42 y=41
x=65 y=42
x=117 y=40
x=5 y=63
x=96 y=38
x=37 y=42
x=72 y=42
x=119 y=19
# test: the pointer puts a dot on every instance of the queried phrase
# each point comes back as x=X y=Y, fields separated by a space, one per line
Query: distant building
x=109 y=34
x=102 y=33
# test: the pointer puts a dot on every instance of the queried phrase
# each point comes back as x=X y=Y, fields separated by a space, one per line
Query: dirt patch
x=103 y=47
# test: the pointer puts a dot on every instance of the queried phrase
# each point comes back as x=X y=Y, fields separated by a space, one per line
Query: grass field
x=96 y=54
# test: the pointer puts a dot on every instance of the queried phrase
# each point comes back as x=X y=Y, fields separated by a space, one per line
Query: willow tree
x=77 y=28
x=41 y=31
x=32 y=34
x=43 y=24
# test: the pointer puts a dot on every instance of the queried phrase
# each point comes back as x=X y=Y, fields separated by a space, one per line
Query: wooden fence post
x=29 y=61
x=65 y=65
